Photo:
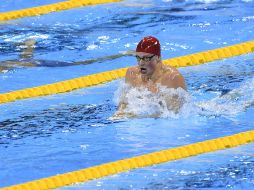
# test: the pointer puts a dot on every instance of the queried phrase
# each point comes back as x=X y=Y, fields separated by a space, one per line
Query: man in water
x=151 y=73
x=26 y=59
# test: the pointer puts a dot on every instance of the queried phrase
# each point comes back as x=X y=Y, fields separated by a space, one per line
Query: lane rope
x=137 y=162
x=95 y=79
x=40 y=10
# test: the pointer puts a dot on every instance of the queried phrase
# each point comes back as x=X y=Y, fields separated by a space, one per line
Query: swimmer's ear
x=28 y=46
x=158 y=58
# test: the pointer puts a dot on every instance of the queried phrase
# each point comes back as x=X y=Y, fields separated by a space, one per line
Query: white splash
x=21 y=38
x=127 y=45
x=174 y=46
x=103 y=39
x=143 y=103
x=232 y=103
x=92 y=47
x=165 y=103
x=207 y=1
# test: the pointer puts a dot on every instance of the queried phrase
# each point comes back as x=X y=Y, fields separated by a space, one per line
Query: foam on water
x=21 y=38
x=144 y=103
x=232 y=103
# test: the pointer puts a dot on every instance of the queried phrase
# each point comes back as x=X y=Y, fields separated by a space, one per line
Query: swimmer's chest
x=149 y=84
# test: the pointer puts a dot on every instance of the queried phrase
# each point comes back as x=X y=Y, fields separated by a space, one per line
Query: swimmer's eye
x=145 y=59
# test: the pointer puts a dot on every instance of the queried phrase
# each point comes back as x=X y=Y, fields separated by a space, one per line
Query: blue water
x=45 y=136
x=13 y=5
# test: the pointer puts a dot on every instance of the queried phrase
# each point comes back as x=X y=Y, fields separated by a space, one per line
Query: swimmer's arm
x=131 y=76
x=3 y=69
x=121 y=113
x=174 y=103
x=128 y=75
x=180 y=82
x=8 y=65
x=121 y=110
x=122 y=106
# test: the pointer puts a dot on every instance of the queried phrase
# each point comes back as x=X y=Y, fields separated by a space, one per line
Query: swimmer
x=151 y=73
x=26 y=59
x=26 y=55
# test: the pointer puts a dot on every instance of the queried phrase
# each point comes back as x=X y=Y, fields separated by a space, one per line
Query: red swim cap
x=149 y=44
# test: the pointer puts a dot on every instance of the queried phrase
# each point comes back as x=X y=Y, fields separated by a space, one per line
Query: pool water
x=45 y=136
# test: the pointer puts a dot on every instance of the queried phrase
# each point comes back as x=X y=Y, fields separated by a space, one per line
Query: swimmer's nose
x=141 y=62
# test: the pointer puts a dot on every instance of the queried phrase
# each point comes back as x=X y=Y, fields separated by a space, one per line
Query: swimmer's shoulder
x=132 y=75
x=168 y=70
x=172 y=78
x=132 y=71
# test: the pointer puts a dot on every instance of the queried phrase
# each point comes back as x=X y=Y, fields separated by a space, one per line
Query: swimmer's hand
x=122 y=115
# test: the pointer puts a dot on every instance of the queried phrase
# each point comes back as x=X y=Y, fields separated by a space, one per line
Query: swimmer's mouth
x=143 y=70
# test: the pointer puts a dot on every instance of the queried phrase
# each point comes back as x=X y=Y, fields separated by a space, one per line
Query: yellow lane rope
x=63 y=86
x=35 y=11
x=95 y=79
x=137 y=162
x=212 y=55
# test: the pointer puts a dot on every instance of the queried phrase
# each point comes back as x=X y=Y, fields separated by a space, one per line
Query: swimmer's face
x=147 y=62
